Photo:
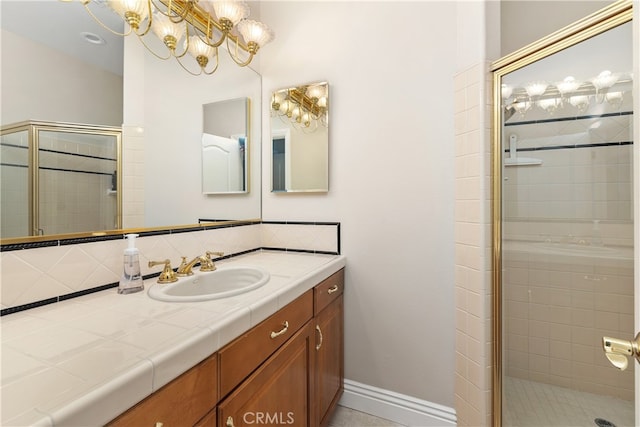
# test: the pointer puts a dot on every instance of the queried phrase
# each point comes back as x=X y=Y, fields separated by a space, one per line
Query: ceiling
x=60 y=24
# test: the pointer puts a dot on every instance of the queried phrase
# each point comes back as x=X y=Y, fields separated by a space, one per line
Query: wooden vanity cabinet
x=182 y=402
x=287 y=370
x=329 y=347
x=277 y=393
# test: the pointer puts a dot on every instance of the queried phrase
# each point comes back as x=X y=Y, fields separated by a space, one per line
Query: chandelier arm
x=186 y=46
x=172 y=12
x=236 y=59
x=312 y=128
x=210 y=29
x=164 y=58
x=149 y=20
x=95 y=18
x=186 y=69
x=214 y=68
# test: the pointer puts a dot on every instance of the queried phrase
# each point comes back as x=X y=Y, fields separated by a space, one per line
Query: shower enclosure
x=59 y=178
x=564 y=217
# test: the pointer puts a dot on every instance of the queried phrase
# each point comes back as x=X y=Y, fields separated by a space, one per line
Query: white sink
x=222 y=283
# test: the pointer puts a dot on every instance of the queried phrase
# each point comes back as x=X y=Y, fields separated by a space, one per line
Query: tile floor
x=529 y=403
x=346 y=417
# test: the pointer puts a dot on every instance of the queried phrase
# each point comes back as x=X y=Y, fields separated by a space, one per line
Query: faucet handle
x=167 y=275
x=206 y=263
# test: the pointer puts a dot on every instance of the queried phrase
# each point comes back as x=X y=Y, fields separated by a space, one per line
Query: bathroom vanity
x=286 y=370
x=273 y=356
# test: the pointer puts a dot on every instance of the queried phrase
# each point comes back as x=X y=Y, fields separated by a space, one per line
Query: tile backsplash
x=34 y=275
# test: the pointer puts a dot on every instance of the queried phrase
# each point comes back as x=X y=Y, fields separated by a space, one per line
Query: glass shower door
x=567 y=235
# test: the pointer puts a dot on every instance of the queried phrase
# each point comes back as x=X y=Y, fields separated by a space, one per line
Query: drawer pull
x=332 y=289
x=320 y=333
x=159 y=424
x=281 y=331
x=230 y=422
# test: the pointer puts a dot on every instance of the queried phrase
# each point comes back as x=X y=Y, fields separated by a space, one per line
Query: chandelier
x=305 y=107
x=606 y=88
x=194 y=27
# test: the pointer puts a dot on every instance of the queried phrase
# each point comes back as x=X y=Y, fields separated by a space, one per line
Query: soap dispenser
x=131 y=280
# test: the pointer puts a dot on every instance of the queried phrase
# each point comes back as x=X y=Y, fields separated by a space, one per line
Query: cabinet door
x=329 y=347
x=277 y=393
x=182 y=402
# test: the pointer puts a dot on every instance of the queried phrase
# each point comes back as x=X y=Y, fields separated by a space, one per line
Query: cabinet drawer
x=194 y=392
x=242 y=356
x=328 y=290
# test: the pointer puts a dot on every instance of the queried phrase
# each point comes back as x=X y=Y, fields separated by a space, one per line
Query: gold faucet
x=206 y=263
x=167 y=275
x=185 y=268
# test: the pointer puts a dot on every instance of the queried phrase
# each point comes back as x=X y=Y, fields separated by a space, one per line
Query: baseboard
x=395 y=407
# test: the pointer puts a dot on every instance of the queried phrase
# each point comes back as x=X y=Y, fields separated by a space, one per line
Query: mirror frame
x=605 y=19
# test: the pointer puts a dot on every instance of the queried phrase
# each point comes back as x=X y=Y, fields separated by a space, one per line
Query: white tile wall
x=13 y=186
x=133 y=168
x=41 y=273
x=556 y=311
x=473 y=242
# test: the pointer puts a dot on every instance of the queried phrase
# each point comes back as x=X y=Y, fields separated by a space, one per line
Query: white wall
x=390 y=70
x=525 y=21
x=163 y=117
x=46 y=84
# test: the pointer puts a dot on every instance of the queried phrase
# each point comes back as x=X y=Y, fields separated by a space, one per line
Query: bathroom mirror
x=300 y=139
x=563 y=221
x=225 y=145
x=72 y=19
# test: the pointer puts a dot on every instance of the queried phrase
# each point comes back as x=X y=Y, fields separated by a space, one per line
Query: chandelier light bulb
x=167 y=31
x=521 y=107
x=133 y=11
x=581 y=102
x=255 y=34
x=316 y=92
x=536 y=88
x=568 y=85
x=548 y=104
x=506 y=91
x=605 y=80
x=230 y=12
x=614 y=99
x=201 y=51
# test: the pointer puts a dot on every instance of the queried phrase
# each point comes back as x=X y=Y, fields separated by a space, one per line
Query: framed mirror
x=563 y=221
x=225 y=145
x=84 y=83
x=300 y=139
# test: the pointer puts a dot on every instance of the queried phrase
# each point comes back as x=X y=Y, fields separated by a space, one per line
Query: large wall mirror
x=564 y=225
x=78 y=74
x=225 y=142
x=300 y=139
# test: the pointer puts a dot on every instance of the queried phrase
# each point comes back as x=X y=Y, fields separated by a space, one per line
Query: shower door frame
x=607 y=18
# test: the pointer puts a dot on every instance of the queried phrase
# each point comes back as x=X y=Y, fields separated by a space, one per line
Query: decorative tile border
x=42 y=272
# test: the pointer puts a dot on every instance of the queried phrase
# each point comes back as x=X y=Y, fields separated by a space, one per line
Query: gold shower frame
x=33 y=127
x=609 y=17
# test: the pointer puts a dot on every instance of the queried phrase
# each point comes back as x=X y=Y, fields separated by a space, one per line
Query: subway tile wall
x=473 y=246
x=14 y=220
x=38 y=274
x=557 y=308
x=568 y=247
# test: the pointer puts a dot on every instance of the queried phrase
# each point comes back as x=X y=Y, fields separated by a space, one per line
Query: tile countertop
x=86 y=360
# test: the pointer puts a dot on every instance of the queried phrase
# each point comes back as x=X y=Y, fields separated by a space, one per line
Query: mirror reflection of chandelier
x=196 y=27
x=606 y=88
x=305 y=107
